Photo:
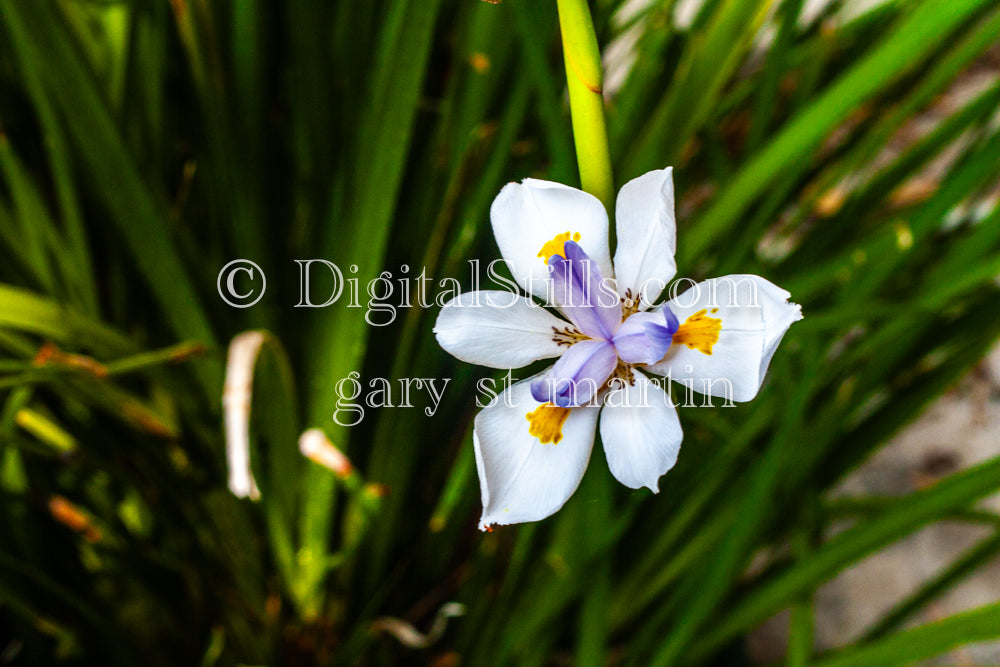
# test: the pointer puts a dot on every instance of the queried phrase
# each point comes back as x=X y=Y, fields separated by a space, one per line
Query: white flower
x=533 y=442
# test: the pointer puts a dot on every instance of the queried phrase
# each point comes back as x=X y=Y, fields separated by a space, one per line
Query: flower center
x=567 y=336
x=557 y=245
x=699 y=332
x=546 y=423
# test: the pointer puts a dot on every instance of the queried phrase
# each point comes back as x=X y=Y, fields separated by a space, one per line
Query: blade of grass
x=340 y=344
x=971 y=561
x=900 y=51
x=140 y=221
x=927 y=641
x=709 y=62
x=911 y=513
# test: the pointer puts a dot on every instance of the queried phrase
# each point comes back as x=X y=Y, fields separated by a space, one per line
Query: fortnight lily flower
x=533 y=442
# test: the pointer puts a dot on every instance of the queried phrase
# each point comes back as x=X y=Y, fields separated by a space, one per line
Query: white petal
x=647 y=236
x=641 y=433
x=755 y=315
x=497 y=329
x=520 y=478
x=529 y=214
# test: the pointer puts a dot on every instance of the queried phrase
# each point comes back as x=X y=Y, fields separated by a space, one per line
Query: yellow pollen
x=546 y=423
x=557 y=245
x=699 y=332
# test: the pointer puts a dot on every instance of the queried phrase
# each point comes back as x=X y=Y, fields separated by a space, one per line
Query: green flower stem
x=586 y=81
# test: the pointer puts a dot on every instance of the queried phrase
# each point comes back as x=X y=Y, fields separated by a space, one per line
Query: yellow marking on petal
x=557 y=246
x=546 y=423
x=699 y=332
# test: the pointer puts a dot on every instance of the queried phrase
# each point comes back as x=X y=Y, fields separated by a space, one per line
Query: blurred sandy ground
x=961 y=429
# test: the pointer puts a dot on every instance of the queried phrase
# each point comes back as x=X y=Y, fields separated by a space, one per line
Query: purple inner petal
x=673 y=324
x=645 y=337
x=583 y=294
x=578 y=374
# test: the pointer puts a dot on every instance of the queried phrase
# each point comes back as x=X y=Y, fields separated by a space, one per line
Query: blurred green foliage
x=145 y=144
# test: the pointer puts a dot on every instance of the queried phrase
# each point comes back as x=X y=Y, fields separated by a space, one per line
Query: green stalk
x=585 y=80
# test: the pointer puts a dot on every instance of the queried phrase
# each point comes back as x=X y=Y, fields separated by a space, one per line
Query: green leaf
x=926 y=641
